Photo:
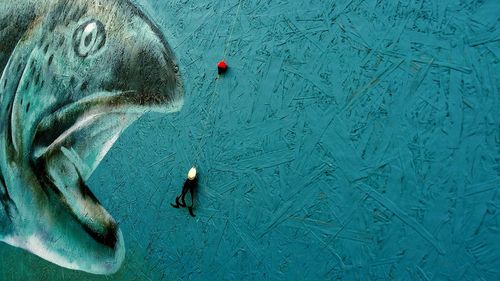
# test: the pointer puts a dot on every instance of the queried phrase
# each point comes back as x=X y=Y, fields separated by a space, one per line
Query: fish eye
x=89 y=38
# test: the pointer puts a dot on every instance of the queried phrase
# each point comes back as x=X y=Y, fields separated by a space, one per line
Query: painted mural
x=75 y=75
x=332 y=140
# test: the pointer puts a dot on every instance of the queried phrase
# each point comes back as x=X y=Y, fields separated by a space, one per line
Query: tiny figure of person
x=189 y=186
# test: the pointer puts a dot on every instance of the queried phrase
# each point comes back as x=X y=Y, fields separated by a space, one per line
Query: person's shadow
x=190 y=185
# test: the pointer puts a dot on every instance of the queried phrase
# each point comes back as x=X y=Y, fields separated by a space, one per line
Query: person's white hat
x=192 y=173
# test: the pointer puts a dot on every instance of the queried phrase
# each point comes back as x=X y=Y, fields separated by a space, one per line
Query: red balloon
x=222 y=67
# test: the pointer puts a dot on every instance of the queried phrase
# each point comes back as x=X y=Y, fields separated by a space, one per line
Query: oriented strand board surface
x=350 y=140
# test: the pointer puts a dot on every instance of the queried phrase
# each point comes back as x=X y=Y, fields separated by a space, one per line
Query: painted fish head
x=80 y=74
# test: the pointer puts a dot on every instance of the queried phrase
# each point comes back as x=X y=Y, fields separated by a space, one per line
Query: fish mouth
x=63 y=124
x=67 y=147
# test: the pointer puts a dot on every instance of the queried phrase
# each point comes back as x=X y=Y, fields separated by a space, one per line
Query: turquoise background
x=350 y=140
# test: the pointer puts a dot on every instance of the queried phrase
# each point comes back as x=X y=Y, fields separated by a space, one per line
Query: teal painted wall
x=350 y=140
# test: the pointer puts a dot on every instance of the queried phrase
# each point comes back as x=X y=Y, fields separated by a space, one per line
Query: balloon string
x=213 y=94
x=232 y=29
